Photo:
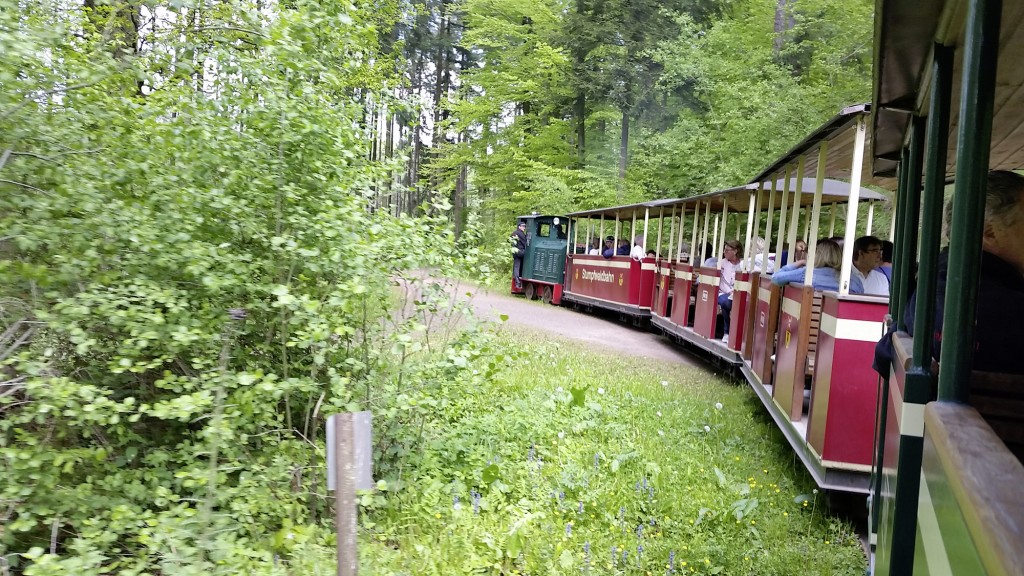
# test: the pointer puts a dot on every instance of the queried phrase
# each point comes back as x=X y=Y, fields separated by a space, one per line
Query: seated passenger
x=867 y=257
x=828 y=258
x=1000 y=304
x=684 y=252
x=760 y=256
x=799 y=252
x=886 y=267
x=652 y=254
x=609 y=247
x=623 y=248
x=730 y=263
x=709 y=254
x=637 y=252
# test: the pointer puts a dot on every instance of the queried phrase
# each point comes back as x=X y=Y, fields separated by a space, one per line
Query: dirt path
x=592 y=330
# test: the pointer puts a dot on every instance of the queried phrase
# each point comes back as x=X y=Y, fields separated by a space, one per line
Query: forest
x=213 y=214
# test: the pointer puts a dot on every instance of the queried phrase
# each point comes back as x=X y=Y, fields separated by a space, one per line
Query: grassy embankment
x=573 y=462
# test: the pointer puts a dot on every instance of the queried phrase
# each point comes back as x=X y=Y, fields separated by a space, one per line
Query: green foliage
x=191 y=280
x=529 y=475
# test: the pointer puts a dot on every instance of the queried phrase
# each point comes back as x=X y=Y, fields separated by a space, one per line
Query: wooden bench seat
x=999 y=398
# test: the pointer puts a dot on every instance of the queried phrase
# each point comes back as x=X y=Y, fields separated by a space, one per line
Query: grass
x=572 y=462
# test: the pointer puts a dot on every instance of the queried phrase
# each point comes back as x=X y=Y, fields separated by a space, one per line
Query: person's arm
x=856 y=285
x=788 y=274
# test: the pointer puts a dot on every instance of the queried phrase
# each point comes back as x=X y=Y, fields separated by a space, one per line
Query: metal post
x=696 y=226
x=798 y=198
x=725 y=225
x=851 y=208
x=759 y=197
x=981 y=52
x=898 y=275
x=345 y=511
x=871 y=217
x=682 y=233
x=907 y=245
x=812 y=225
x=704 y=235
x=781 y=242
x=750 y=230
x=768 y=228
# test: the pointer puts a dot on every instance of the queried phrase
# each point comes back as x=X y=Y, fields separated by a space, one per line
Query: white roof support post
x=781 y=242
x=750 y=230
x=892 y=224
x=600 y=242
x=632 y=231
x=704 y=234
x=871 y=217
x=647 y=217
x=769 y=225
x=714 y=239
x=851 y=208
x=798 y=198
x=570 y=242
x=671 y=234
x=757 y=230
x=812 y=228
x=832 y=221
x=696 y=227
x=615 y=236
x=661 y=224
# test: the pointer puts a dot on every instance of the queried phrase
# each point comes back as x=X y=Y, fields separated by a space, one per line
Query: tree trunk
x=784 y=21
x=624 y=145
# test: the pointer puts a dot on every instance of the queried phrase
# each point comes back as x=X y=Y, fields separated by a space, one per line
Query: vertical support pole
x=981 y=52
x=696 y=227
x=851 y=208
x=871 y=217
x=345 y=511
x=647 y=217
x=632 y=230
x=907 y=246
x=725 y=226
x=682 y=234
x=812 y=226
x=748 y=253
x=615 y=236
x=600 y=241
x=704 y=235
x=798 y=198
x=781 y=242
x=768 y=228
x=757 y=231
x=714 y=242
x=832 y=221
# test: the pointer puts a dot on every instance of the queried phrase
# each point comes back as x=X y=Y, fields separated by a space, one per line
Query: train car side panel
x=791 y=357
x=740 y=301
x=596 y=277
x=706 y=317
x=681 y=294
x=765 y=327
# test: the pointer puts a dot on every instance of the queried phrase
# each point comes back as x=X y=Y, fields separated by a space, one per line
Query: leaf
x=579 y=396
x=490 y=473
x=721 y=477
x=566 y=560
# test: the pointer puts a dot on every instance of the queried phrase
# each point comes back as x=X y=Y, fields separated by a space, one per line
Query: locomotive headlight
x=555 y=221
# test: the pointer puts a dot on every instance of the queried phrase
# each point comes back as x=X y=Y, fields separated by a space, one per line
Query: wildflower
x=579 y=510
x=718 y=405
x=437 y=515
x=561 y=495
x=476 y=501
x=658 y=413
x=660 y=433
x=625 y=556
x=455 y=504
x=664 y=382
x=600 y=390
x=707 y=428
x=561 y=435
x=568 y=530
x=532 y=454
x=671 y=561
x=559 y=389
x=597 y=460
x=640 y=531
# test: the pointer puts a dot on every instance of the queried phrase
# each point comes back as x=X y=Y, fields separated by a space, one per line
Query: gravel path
x=593 y=330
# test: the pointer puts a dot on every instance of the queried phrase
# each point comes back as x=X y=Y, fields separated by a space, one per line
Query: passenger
x=518 y=241
x=828 y=259
x=637 y=252
x=684 y=252
x=886 y=267
x=652 y=254
x=595 y=247
x=609 y=247
x=867 y=257
x=730 y=262
x=1000 y=304
x=799 y=252
x=709 y=253
x=623 y=248
x=759 y=257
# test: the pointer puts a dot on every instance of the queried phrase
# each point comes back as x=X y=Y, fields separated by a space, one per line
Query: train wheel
x=530 y=290
x=545 y=295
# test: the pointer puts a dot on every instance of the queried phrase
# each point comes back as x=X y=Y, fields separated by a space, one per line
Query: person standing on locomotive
x=730 y=262
x=867 y=257
x=518 y=241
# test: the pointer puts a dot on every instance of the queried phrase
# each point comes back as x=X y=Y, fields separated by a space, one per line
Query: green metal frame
x=981 y=51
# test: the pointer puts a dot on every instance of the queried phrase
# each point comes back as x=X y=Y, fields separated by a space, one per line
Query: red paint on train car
x=642 y=292
x=737 y=319
x=841 y=423
x=791 y=352
x=682 y=294
x=706 y=315
x=663 y=284
x=765 y=327
x=616 y=280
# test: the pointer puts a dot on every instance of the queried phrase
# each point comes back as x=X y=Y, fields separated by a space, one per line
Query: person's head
x=609 y=242
x=1004 y=216
x=887 y=249
x=867 y=253
x=708 y=251
x=522 y=225
x=838 y=240
x=758 y=245
x=651 y=253
x=731 y=250
x=638 y=240
x=799 y=250
x=828 y=254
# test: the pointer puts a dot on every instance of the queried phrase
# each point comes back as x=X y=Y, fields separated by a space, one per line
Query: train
x=931 y=443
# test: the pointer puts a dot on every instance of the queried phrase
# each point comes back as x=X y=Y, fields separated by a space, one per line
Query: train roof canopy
x=905 y=33
x=737 y=199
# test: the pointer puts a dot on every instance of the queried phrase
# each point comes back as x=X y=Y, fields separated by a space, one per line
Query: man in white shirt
x=638 y=252
x=729 y=263
x=867 y=257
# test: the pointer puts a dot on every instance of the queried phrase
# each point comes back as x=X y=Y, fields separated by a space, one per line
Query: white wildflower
x=718 y=405
x=561 y=435
x=658 y=413
x=559 y=389
x=600 y=390
x=660 y=433
x=664 y=382
x=707 y=428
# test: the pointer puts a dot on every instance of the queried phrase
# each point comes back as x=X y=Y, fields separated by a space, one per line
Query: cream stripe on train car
x=847 y=329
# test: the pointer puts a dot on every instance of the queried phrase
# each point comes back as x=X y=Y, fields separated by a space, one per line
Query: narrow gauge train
x=944 y=485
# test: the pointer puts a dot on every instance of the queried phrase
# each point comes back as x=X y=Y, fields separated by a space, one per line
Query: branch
x=23 y=185
x=53 y=158
x=32 y=97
